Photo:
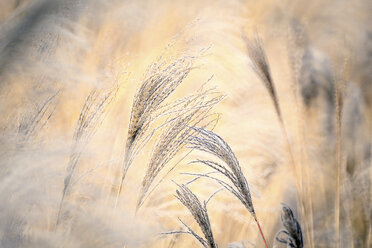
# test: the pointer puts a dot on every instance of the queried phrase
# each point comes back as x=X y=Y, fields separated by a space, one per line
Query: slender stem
x=296 y=64
x=338 y=99
x=370 y=225
x=262 y=235
x=338 y=196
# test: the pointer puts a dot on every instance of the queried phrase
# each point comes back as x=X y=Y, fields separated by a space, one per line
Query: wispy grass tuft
x=91 y=116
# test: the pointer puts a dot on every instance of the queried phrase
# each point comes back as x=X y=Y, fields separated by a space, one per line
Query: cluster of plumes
x=200 y=214
x=91 y=116
x=292 y=235
x=209 y=142
x=188 y=112
x=161 y=80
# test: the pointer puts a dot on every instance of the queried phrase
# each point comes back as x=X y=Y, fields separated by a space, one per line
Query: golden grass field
x=185 y=123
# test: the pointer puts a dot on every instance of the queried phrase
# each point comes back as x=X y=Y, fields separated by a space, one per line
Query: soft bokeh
x=54 y=53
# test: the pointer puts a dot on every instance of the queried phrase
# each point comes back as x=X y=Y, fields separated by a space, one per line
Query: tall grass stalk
x=370 y=182
x=297 y=39
x=261 y=67
x=339 y=106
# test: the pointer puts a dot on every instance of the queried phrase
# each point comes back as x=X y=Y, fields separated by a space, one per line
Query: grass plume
x=292 y=235
x=200 y=214
x=192 y=110
x=160 y=81
x=209 y=142
x=91 y=116
x=261 y=67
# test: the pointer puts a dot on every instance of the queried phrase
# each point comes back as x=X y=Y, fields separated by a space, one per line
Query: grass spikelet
x=209 y=142
x=292 y=235
x=91 y=116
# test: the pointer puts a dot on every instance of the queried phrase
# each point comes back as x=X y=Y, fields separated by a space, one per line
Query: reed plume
x=261 y=67
x=189 y=112
x=91 y=116
x=209 y=142
x=160 y=81
x=292 y=235
x=200 y=214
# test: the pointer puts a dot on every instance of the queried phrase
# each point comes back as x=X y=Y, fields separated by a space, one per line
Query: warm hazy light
x=155 y=123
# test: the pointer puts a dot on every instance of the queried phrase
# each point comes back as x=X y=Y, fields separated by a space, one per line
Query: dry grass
x=293 y=105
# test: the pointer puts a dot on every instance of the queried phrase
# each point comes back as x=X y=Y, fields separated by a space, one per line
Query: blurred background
x=58 y=55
